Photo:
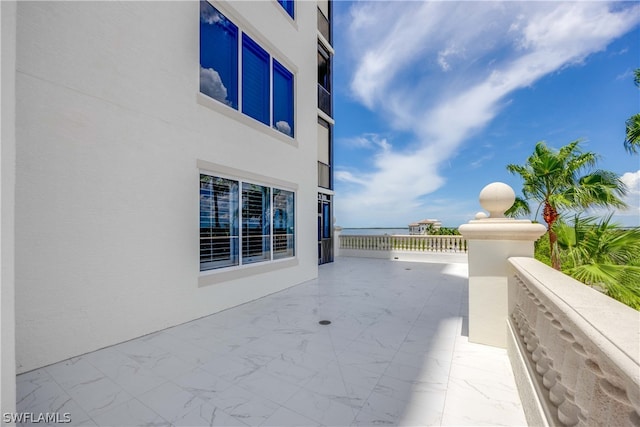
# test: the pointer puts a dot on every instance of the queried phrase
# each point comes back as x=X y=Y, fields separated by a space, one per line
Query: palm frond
x=632 y=134
x=520 y=208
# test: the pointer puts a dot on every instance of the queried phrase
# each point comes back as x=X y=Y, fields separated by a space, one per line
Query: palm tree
x=603 y=255
x=632 y=140
x=553 y=179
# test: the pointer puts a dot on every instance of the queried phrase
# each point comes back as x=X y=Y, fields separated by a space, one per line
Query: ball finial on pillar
x=496 y=198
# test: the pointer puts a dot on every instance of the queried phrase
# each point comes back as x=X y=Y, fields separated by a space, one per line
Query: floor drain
x=325 y=322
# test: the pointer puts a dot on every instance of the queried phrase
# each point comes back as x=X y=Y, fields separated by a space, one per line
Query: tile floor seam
x=64 y=390
x=382 y=374
x=106 y=376
x=126 y=403
x=344 y=383
x=455 y=346
x=451 y=353
x=446 y=391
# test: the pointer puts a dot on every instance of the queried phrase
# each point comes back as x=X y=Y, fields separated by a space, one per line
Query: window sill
x=290 y=18
x=234 y=114
x=213 y=277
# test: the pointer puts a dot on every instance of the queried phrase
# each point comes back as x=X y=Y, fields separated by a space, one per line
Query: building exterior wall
x=7 y=211
x=112 y=132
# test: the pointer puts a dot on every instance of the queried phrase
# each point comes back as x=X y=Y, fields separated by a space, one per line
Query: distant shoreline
x=346 y=231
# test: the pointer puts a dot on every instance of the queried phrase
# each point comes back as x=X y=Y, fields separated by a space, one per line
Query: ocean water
x=374 y=231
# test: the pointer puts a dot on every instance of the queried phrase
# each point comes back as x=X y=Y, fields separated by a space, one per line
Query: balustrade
x=418 y=243
x=581 y=346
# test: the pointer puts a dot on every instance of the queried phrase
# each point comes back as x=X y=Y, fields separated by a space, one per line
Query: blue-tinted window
x=266 y=215
x=218 y=56
x=288 y=6
x=256 y=223
x=326 y=221
x=282 y=99
x=219 y=233
x=255 y=80
x=283 y=224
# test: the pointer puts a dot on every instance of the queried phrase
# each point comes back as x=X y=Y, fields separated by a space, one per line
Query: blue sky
x=433 y=99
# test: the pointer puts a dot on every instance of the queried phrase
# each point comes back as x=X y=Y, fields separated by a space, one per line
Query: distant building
x=424 y=226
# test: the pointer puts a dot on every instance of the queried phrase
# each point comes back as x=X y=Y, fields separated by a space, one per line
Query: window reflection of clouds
x=211 y=85
x=218 y=56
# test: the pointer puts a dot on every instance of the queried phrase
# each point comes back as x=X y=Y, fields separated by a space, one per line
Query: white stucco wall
x=7 y=213
x=110 y=128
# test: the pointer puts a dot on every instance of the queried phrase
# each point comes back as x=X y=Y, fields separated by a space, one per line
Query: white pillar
x=337 y=230
x=8 y=14
x=492 y=240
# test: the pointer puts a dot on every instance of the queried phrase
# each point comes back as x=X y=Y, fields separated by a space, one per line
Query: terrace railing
x=418 y=248
x=580 y=348
x=324 y=100
x=417 y=243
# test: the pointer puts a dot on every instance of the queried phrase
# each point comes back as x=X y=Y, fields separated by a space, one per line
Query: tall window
x=221 y=76
x=256 y=223
x=324 y=80
x=282 y=99
x=283 y=221
x=219 y=232
x=255 y=80
x=243 y=223
x=218 y=56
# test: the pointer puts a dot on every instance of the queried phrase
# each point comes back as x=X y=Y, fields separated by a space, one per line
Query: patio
x=395 y=353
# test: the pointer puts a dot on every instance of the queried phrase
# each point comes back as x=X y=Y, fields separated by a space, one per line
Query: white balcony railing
x=580 y=349
x=418 y=243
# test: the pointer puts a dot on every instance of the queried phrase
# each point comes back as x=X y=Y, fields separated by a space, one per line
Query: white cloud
x=632 y=181
x=629 y=217
x=208 y=14
x=445 y=57
x=443 y=70
x=211 y=84
x=284 y=127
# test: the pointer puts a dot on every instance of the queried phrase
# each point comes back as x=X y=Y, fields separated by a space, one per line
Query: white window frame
x=217 y=275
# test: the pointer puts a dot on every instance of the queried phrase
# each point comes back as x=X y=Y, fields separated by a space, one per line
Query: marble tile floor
x=395 y=353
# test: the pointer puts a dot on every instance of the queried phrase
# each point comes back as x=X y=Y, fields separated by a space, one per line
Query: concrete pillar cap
x=496 y=198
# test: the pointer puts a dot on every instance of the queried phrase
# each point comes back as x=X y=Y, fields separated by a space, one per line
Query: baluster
x=618 y=404
x=586 y=386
